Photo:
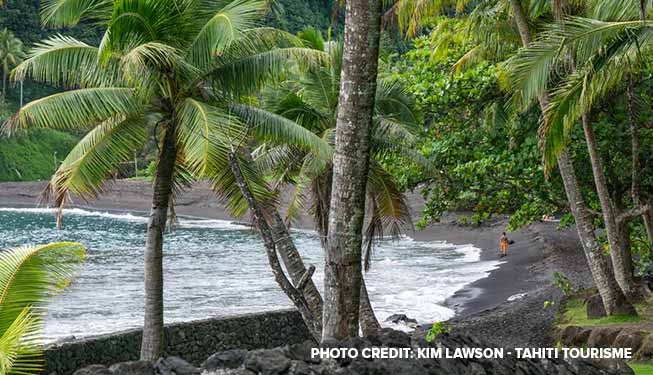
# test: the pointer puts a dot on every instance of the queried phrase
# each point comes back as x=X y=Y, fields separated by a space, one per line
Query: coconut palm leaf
x=93 y=160
x=19 y=345
x=74 y=109
x=207 y=134
x=29 y=277
x=66 y=62
x=258 y=67
x=389 y=212
x=67 y=13
x=276 y=129
x=223 y=29
x=224 y=185
x=615 y=10
x=393 y=100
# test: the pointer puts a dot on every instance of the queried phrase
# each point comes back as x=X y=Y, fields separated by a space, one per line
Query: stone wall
x=194 y=341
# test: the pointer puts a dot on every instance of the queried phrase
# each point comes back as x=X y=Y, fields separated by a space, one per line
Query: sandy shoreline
x=526 y=270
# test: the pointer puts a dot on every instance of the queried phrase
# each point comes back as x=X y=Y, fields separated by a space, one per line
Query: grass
x=575 y=314
x=642 y=368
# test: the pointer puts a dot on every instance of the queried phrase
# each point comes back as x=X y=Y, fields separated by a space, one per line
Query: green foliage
x=641 y=368
x=29 y=277
x=562 y=282
x=308 y=97
x=487 y=160
x=32 y=155
x=548 y=304
x=437 y=329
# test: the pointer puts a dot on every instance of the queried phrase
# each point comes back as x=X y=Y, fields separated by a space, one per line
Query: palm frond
x=30 y=275
x=227 y=74
x=74 y=109
x=67 y=13
x=223 y=29
x=20 y=347
x=225 y=187
x=272 y=128
x=389 y=209
x=66 y=62
x=208 y=134
x=95 y=157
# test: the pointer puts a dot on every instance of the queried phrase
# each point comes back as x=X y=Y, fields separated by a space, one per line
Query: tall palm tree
x=350 y=169
x=605 y=52
x=29 y=277
x=310 y=99
x=11 y=53
x=171 y=68
x=483 y=21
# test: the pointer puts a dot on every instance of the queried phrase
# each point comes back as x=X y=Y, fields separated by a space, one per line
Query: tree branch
x=635 y=212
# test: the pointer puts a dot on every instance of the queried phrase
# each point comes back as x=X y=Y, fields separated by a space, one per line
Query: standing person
x=504 y=244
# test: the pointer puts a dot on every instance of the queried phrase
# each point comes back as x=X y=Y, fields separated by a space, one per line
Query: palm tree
x=350 y=169
x=311 y=100
x=29 y=277
x=606 y=53
x=11 y=53
x=497 y=38
x=169 y=68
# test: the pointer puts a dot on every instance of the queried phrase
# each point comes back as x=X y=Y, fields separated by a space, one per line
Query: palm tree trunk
x=153 y=345
x=623 y=273
x=293 y=294
x=368 y=321
x=613 y=298
x=294 y=263
x=350 y=169
x=322 y=191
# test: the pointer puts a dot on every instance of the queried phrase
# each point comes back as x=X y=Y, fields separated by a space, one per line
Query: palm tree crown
x=310 y=98
x=162 y=66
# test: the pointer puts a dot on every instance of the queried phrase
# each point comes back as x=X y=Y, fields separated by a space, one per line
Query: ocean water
x=214 y=267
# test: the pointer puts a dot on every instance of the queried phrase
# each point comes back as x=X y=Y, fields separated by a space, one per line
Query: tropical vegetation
x=173 y=71
x=525 y=108
x=29 y=277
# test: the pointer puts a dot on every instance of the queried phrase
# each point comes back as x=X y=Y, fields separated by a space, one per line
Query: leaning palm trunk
x=622 y=265
x=260 y=220
x=368 y=321
x=152 y=345
x=350 y=169
x=612 y=296
x=614 y=300
x=294 y=263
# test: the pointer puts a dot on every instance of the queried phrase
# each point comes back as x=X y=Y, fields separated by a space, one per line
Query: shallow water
x=213 y=267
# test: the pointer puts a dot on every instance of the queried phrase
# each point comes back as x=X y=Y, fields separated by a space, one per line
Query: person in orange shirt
x=504 y=244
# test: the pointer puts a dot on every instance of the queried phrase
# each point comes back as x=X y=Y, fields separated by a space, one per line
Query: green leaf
x=74 y=109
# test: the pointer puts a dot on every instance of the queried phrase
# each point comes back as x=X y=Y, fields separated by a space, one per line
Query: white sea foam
x=79 y=212
x=218 y=267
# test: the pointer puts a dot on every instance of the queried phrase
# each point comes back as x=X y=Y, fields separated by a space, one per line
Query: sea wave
x=217 y=267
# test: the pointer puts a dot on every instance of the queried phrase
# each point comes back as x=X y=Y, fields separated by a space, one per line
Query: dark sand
x=482 y=306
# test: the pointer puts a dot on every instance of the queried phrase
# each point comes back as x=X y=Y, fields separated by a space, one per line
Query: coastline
x=479 y=306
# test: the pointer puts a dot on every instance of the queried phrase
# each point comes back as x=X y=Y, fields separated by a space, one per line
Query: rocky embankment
x=297 y=360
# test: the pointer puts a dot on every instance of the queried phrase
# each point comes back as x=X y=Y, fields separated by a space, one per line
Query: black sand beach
x=483 y=307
